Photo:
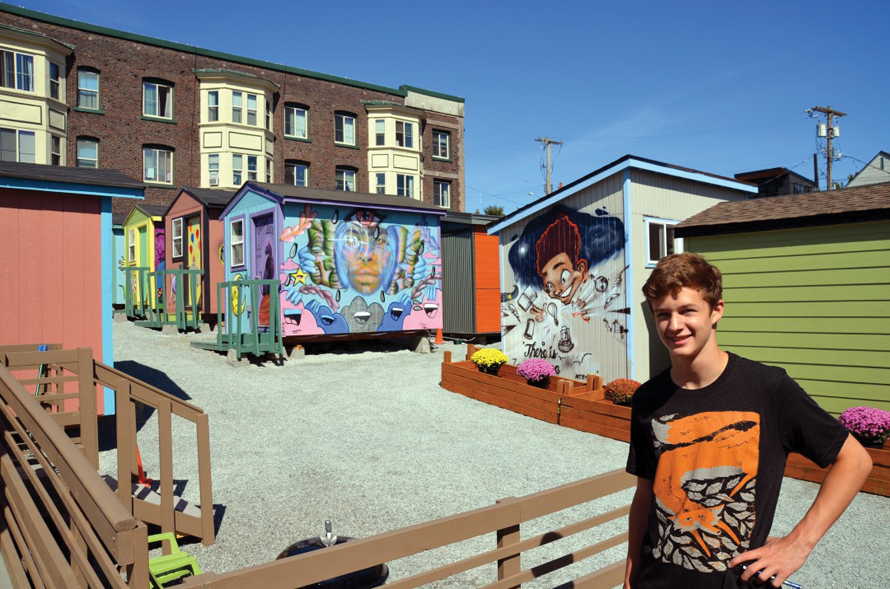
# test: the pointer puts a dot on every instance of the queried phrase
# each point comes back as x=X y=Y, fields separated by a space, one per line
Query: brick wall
x=121 y=131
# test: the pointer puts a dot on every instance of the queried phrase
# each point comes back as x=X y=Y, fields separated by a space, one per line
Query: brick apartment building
x=174 y=115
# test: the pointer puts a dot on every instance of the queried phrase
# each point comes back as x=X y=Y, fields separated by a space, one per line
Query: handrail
x=105 y=375
x=504 y=518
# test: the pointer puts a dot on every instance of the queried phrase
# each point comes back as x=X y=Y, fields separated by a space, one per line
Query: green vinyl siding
x=813 y=300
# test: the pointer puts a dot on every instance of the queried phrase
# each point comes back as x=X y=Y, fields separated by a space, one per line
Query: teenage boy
x=709 y=440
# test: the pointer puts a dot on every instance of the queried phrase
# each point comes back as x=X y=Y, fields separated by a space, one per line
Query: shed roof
x=861 y=203
x=213 y=198
x=152 y=210
x=622 y=163
x=764 y=176
x=304 y=194
x=46 y=173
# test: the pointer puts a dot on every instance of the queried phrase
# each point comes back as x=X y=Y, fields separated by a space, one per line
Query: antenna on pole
x=829 y=131
x=548 y=141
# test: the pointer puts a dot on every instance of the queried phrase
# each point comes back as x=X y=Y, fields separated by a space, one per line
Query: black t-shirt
x=717 y=456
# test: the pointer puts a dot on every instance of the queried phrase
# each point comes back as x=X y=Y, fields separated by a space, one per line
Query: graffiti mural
x=359 y=270
x=567 y=295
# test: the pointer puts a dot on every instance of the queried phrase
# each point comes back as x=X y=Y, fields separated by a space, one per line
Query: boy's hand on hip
x=779 y=558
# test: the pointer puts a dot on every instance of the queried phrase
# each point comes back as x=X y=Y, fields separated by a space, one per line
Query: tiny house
x=144 y=250
x=806 y=280
x=195 y=240
x=573 y=262
x=471 y=276
x=56 y=257
x=347 y=263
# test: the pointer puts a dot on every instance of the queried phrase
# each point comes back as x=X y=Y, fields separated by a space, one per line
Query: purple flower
x=535 y=370
x=868 y=423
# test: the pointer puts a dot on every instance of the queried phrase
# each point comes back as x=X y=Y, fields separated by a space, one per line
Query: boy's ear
x=717 y=312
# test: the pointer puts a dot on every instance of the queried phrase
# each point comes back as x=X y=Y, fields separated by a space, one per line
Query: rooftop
x=47 y=173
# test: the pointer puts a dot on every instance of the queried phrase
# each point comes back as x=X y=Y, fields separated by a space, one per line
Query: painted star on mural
x=298 y=277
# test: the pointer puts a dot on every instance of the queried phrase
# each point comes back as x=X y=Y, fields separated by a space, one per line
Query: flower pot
x=492 y=369
x=868 y=442
x=541 y=383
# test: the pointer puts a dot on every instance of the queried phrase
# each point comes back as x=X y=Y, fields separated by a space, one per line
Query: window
x=17 y=146
x=381 y=183
x=157 y=165
x=157 y=100
x=268 y=171
x=442 y=193
x=802 y=188
x=442 y=144
x=236 y=242
x=213 y=169
x=404 y=134
x=237 y=97
x=268 y=115
x=296 y=173
x=17 y=71
x=346 y=179
x=296 y=121
x=251 y=109
x=251 y=167
x=237 y=168
x=88 y=89
x=131 y=246
x=56 y=150
x=177 y=237
x=55 y=82
x=344 y=128
x=213 y=106
x=660 y=241
x=405 y=185
x=87 y=152
x=380 y=131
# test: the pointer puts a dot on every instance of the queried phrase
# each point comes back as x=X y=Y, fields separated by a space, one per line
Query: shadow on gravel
x=152 y=376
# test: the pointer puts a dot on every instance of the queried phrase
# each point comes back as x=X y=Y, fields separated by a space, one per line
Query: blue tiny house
x=347 y=263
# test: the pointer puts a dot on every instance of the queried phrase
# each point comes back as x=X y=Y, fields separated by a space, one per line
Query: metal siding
x=669 y=198
x=598 y=342
x=815 y=301
x=458 y=288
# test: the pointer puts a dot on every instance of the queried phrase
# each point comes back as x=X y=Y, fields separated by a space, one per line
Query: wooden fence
x=55 y=372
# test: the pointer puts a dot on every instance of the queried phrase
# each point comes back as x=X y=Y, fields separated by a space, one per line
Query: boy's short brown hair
x=690 y=270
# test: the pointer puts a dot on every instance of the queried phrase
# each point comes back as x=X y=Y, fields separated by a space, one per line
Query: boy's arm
x=637 y=524
x=781 y=557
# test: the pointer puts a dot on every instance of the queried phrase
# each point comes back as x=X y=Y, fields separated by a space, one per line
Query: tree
x=494 y=211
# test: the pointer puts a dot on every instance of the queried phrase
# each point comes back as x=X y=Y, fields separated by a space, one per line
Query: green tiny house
x=807 y=287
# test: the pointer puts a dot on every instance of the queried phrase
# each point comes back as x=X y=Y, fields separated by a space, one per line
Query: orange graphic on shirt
x=704 y=487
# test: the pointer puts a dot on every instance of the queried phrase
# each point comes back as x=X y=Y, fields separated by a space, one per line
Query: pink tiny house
x=196 y=240
x=56 y=256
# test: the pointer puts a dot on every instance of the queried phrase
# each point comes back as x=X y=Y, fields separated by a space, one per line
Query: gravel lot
x=370 y=441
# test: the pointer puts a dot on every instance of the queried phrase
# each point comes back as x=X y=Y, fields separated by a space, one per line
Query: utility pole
x=830 y=132
x=548 y=141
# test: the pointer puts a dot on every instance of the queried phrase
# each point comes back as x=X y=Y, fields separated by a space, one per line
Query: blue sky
x=717 y=86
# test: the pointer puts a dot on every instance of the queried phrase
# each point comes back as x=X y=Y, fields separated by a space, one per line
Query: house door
x=264 y=265
x=193 y=258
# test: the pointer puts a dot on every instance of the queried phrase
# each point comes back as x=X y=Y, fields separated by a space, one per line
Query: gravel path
x=370 y=441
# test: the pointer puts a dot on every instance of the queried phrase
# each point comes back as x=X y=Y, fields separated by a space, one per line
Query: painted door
x=193 y=261
x=142 y=248
x=264 y=265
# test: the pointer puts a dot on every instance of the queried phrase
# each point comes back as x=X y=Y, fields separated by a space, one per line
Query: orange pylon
x=439 y=339
x=142 y=478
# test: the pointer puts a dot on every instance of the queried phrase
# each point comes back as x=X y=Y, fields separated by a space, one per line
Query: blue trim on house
x=340 y=203
x=630 y=290
x=247 y=187
x=72 y=187
x=106 y=302
x=615 y=167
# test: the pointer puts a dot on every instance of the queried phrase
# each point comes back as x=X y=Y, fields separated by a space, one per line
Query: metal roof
x=213 y=198
x=861 y=203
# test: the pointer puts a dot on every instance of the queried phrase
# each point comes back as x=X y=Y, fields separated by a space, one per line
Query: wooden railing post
x=125 y=451
x=165 y=443
x=512 y=565
x=89 y=428
x=205 y=488
x=594 y=382
x=446 y=359
x=471 y=349
x=137 y=568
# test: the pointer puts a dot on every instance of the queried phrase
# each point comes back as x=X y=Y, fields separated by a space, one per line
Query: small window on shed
x=177 y=237
x=660 y=241
x=236 y=241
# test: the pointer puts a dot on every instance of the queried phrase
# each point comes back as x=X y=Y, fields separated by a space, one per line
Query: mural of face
x=365 y=253
x=562 y=278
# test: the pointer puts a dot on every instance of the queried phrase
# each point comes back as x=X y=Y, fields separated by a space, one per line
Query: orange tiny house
x=196 y=240
x=471 y=272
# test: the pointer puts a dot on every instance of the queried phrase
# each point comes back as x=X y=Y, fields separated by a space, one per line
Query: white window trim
x=131 y=247
x=238 y=169
x=18 y=133
x=678 y=242
x=238 y=108
x=213 y=109
x=158 y=86
x=447 y=136
x=158 y=151
x=352 y=180
x=436 y=184
x=293 y=110
x=406 y=190
x=177 y=237
x=252 y=111
x=82 y=74
x=344 y=116
x=233 y=242
x=78 y=157
x=18 y=75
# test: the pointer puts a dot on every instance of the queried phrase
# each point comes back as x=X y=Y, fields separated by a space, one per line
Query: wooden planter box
x=582 y=406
